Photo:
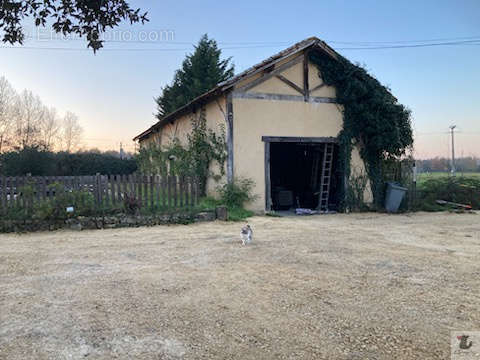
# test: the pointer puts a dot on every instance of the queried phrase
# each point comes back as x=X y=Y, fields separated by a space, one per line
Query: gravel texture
x=358 y=286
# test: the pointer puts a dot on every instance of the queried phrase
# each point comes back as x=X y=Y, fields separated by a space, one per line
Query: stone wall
x=104 y=222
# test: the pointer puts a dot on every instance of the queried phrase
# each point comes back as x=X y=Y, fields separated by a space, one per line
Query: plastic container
x=394 y=196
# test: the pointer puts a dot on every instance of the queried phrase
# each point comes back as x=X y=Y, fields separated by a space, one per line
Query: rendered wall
x=258 y=118
x=254 y=118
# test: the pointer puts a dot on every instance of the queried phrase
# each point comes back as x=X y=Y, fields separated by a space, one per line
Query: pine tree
x=200 y=72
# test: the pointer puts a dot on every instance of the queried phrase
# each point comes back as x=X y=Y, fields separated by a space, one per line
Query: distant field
x=425 y=176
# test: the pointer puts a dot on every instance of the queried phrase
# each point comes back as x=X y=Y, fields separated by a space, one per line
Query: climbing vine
x=373 y=119
x=203 y=146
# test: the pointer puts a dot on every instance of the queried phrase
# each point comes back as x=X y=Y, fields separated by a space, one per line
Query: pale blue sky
x=113 y=91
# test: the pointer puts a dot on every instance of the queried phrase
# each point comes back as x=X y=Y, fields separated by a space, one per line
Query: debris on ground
x=462 y=206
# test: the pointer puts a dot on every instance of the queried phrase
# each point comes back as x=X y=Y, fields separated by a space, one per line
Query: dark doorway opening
x=296 y=171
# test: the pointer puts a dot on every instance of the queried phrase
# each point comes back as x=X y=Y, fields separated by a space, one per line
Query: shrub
x=40 y=162
x=357 y=184
x=233 y=196
x=462 y=190
x=55 y=207
x=131 y=204
x=237 y=193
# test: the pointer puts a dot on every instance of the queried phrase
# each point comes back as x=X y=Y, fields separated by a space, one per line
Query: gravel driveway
x=359 y=286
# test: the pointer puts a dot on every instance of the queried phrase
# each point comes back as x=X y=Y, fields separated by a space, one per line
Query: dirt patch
x=321 y=287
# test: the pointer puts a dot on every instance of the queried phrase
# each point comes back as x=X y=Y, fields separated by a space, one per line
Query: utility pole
x=452 y=131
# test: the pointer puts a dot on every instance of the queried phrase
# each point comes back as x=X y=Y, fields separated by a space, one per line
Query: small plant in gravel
x=237 y=193
x=131 y=204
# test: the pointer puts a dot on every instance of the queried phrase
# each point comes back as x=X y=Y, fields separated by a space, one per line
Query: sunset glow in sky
x=113 y=92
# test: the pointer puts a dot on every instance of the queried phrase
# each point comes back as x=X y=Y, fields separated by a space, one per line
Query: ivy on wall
x=203 y=147
x=372 y=116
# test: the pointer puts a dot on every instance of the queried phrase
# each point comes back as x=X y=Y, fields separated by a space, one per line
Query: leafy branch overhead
x=86 y=18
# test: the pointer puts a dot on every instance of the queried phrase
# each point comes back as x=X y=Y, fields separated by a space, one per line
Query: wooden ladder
x=326 y=177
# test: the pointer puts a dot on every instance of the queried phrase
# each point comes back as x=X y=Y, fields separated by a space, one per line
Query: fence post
x=3 y=195
x=169 y=190
x=157 y=189
x=186 y=184
x=96 y=187
x=118 y=181
x=28 y=202
x=131 y=180
x=164 y=180
x=152 y=195
x=197 y=189
x=145 y=190
x=138 y=192
x=180 y=191
x=106 y=187
x=175 y=200
x=126 y=185
x=14 y=191
x=8 y=191
x=192 y=197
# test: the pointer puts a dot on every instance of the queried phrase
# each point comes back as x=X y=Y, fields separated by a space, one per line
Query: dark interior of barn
x=295 y=175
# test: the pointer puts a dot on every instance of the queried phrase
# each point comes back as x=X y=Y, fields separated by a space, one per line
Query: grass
x=456 y=189
x=423 y=177
x=234 y=213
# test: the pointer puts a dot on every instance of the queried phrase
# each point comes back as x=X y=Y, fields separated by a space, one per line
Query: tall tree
x=71 y=132
x=200 y=72
x=86 y=18
x=29 y=113
x=50 y=128
x=26 y=123
x=8 y=98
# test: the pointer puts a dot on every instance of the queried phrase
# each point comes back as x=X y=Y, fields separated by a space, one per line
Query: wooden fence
x=150 y=191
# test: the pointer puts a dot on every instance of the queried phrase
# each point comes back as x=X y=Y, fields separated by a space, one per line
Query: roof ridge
x=282 y=53
x=227 y=84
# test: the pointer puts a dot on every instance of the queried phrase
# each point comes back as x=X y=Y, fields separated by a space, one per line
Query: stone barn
x=282 y=123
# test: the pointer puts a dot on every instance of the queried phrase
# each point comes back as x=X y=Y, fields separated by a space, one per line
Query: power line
x=472 y=42
x=265 y=43
x=85 y=49
x=456 y=43
x=404 y=41
x=458 y=132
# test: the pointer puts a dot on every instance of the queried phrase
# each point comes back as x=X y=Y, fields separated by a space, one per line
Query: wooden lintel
x=282 y=97
x=294 y=139
x=290 y=83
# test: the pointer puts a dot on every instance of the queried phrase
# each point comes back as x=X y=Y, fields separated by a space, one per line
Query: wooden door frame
x=285 y=139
